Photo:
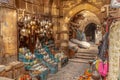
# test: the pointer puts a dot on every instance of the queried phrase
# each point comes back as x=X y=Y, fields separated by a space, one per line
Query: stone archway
x=79 y=8
x=71 y=13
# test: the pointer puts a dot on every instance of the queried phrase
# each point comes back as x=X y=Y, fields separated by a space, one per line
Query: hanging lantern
x=46 y=26
x=23 y=32
x=41 y=30
x=50 y=24
x=44 y=31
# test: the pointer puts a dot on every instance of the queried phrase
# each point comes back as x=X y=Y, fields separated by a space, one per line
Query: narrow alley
x=77 y=65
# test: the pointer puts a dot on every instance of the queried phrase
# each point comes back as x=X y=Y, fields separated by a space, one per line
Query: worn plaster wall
x=114 y=51
x=9 y=35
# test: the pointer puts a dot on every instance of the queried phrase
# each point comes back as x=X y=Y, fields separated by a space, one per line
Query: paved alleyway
x=76 y=66
x=70 y=72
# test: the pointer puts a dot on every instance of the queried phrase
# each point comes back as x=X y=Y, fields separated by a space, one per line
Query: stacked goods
x=18 y=68
x=63 y=59
x=87 y=75
x=27 y=58
x=50 y=54
x=33 y=63
x=25 y=77
x=39 y=70
x=82 y=44
x=47 y=60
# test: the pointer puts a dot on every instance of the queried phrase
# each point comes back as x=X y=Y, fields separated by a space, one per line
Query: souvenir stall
x=36 y=47
x=29 y=33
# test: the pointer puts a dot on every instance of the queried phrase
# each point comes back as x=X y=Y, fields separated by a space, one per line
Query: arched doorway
x=71 y=13
x=87 y=23
x=90 y=32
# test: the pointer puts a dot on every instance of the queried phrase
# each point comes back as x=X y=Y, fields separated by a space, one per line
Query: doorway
x=90 y=32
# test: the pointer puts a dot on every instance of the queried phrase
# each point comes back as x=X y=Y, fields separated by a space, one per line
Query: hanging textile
x=103 y=68
x=104 y=46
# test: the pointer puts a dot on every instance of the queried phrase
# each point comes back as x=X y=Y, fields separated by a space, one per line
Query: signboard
x=115 y=3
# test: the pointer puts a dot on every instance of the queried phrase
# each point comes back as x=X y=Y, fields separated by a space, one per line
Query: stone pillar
x=64 y=37
x=55 y=28
x=114 y=51
x=9 y=33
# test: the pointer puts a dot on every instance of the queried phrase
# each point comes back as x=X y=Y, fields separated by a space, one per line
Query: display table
x=47 y=61
x=39 y=70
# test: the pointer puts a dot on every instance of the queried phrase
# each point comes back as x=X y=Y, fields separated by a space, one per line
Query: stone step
x=86 y=54
x=79 y=60
x=85 y=57
x=93 y=50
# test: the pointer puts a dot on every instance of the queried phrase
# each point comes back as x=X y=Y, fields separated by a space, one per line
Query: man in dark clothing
x=99 y=47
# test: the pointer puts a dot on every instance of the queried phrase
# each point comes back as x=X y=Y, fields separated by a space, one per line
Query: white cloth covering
x=82 y=44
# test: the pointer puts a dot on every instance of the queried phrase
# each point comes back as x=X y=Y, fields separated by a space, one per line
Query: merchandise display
x=24 y=77
x=35 y=67
x=43 y=56
x=63 y=59
x=86 y=76
x=39 y=70
x=50 y=54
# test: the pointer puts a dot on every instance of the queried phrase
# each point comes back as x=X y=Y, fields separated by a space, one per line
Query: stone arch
x=79 y=8
x=89 y=18
x=70 y=14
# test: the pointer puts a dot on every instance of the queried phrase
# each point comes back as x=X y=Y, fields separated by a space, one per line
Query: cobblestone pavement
x=77 y=65
x=72 y=71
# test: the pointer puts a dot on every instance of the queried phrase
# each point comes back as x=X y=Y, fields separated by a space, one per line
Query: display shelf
x=50 y=54
x=47 y=60
x=39 y=70
x=35 y=67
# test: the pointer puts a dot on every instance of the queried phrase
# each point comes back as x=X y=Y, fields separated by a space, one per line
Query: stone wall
x=71 y=13
x=114 y=51
x=9 y=35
